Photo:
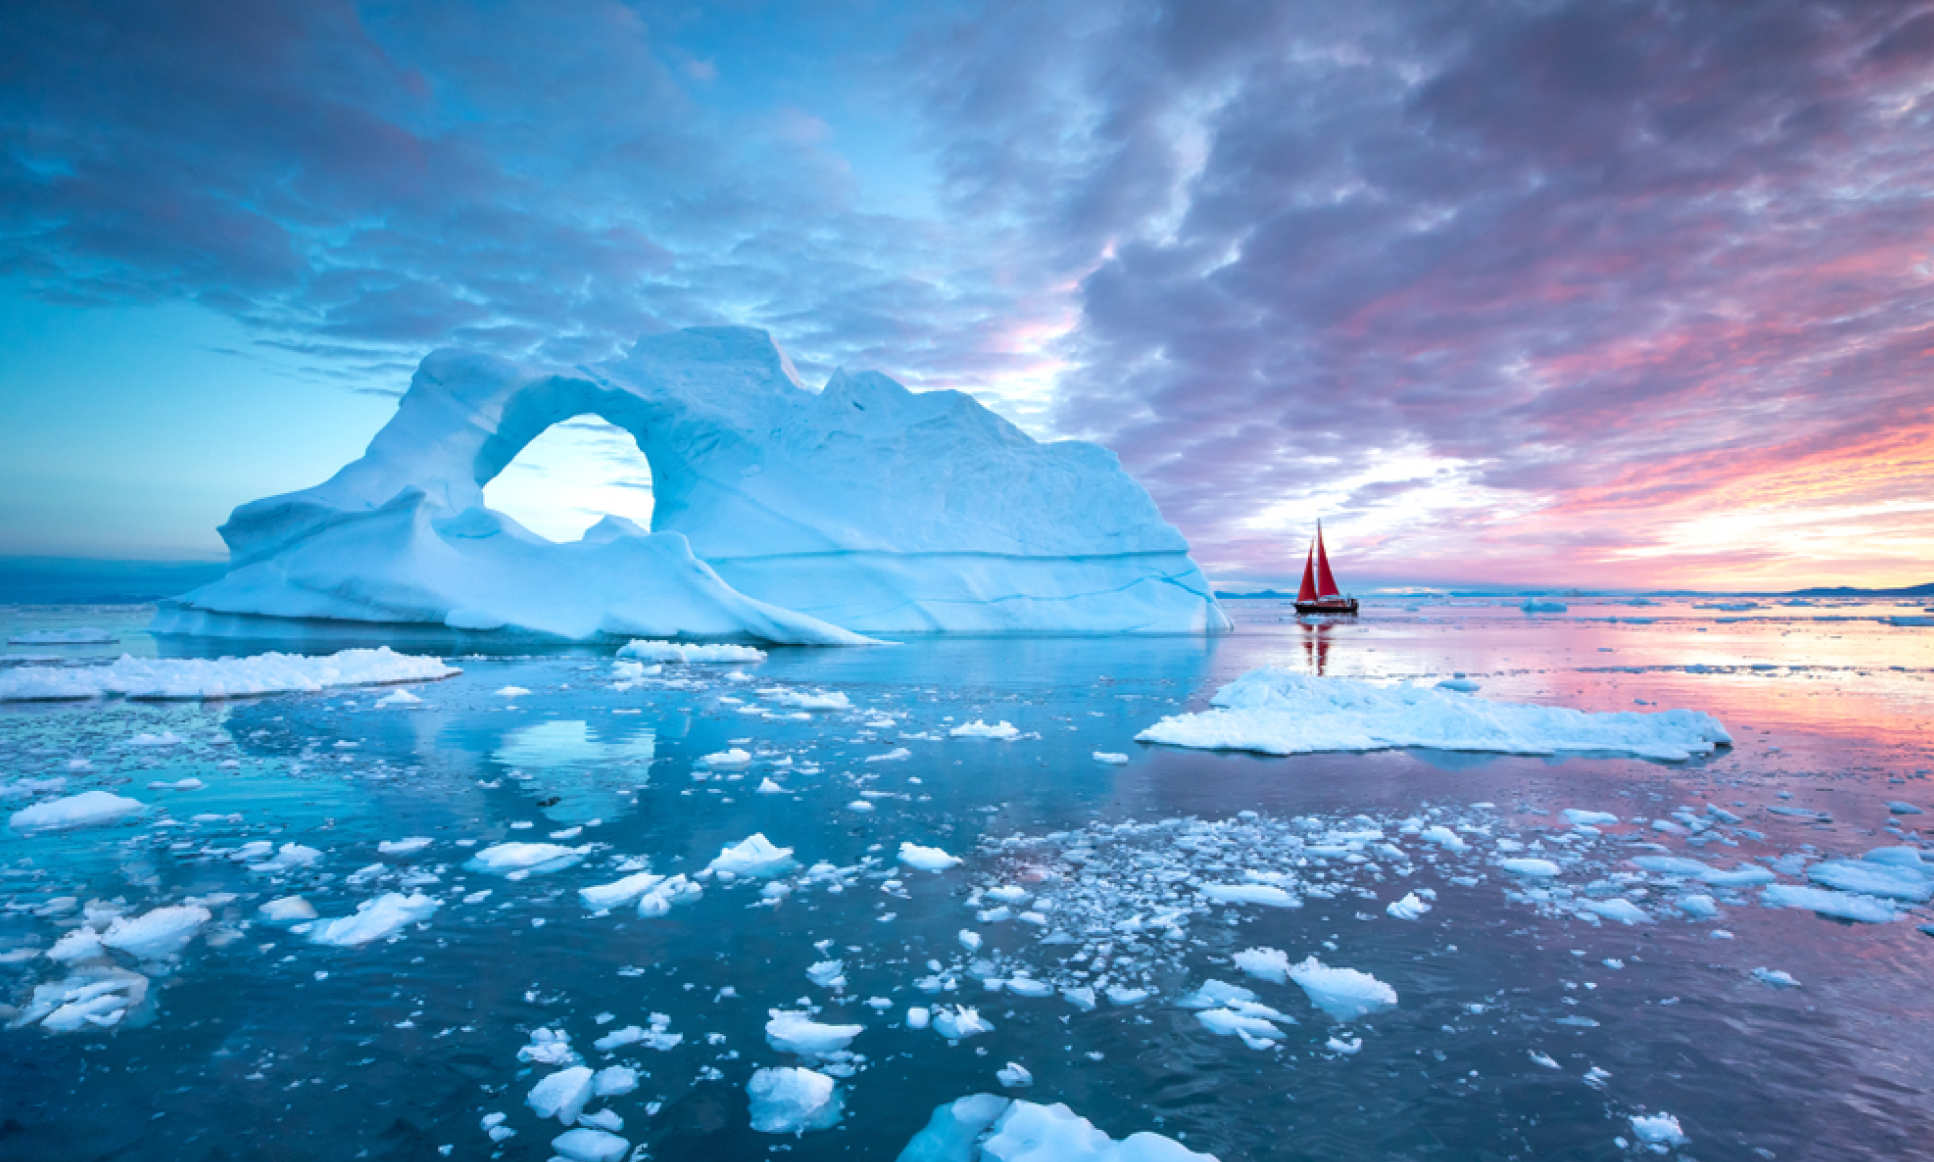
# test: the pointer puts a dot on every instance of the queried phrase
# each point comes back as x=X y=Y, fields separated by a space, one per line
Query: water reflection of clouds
x=578 y=773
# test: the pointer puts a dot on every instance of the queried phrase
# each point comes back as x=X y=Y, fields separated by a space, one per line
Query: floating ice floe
x=1344 y=993
x=187 y=678
x=1003 y=730
x=755 y=855
x=1897 y=874
x=727 y=759
x=1777 y=978
x=94 y=996
x=409 y=845
x=1839 y=905
x=376 y=919
x=1278 y=711
x=1658 y=1132
x=516 y=860
x=1410 y=907
x=587 y=1144
x=986 y=1127
x=87 y=809
x=159 y=934
x=562 y=1094
x=1270 y=964
x=1110 y=757
x=791 y=1100
x=790 y=1031
x=930 y=859
x=689 y=653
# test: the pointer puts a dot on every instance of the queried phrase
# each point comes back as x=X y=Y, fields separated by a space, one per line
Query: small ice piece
x=768 y=787
x=1270 y=964
x=725 y=759
x=1014 y=1075
x=188 y=784
x=1899 y=807
x=898 y=754
x=287 y=910
x=78 y=944
x=969 y=939
x=1253 y=1029
x=790 y=1031
x=1111 y=757
x=828 y=974
x=515 y=860
x=1125 y=995
x=986 y=1127
x=1081 y=997
x=288 y=857
x=801 y=700
x=159 y=934
x=614 y=1081
x=919 y=1016
x=1839 y=905
x=1003 y=730
x=512 y=692
x=562 y=1094
x=755 y=855
x=584 y=1144
x=1582 y=818
x=549 y=1047
x=398 y=698
x=409 y=845
x=1344 y=993
x=1894 y=881
x=931 y=859
x=374 y=919
x=1411 y=907
x=791 y=1100
x=1778 y=978
x=1618 y=908
x=645 y=650
x=1443 y=837
x=1534 y=869
x=1347 y=1046
x=1658 y=1130
x=1698 y=905
x=603 y=897
x=87 y=809
x=960 y=1022
x=1268 y=895
x=1544 y=1059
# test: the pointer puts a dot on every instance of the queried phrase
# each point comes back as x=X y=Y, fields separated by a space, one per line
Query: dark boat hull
x=1338 y=605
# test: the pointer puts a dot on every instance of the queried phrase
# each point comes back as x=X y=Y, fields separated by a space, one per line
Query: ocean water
x=1525 y=1026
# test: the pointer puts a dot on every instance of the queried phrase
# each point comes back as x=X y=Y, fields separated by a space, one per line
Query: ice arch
x=780 y=514
x=573 y=474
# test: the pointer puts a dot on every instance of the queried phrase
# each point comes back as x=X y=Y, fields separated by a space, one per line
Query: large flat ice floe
x=186 y=678
x=986 y=1127
x=780 y=515
x=1278 y=711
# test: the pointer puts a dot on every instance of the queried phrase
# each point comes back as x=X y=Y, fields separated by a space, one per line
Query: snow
x=641 y=650
x=930 y=859
x=791 y=1100
x=1003 y=730
x=87 y=809
x=796 y=1032
x=160 y=934
x=780 y=514
x=185 y=678
x=1344 y=993
x=755 y=855
x=986 y=1127
x=375 y=919
x=1272 y=710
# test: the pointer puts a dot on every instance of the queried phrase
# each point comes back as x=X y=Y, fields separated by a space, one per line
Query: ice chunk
x=1618 y=908
x=1659 y=1130
x=375 y=919
x=1839 y=905
x=755 y=855
x=1777 y=978
x=1344 y=993
x=87 y=809
x=1583 y=818
x=1271 y=964
x=401 y=847
x=725 y=759
x=287 y=910
x=640 y=650
x=159 y=934
x=1876 y=878
x=1268 y=895
x=795 y=1032
x=1411 y=907
x=930 y=859
x=1443 y=837
x=988 y=1128
x=1002 y=730
x=1280 y=711
x=186 y=678
x=515 y=860
x=1531 y=869
x=561 y=1094
x=1110 y=757
x=1014 y=1075
x=584 y=1144
x=960 y=1022
x=791 y=1100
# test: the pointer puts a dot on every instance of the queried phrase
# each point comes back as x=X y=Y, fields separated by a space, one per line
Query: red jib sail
x=1325 y=583
x=1308 y=590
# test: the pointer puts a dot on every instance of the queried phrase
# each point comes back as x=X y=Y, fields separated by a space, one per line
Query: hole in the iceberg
x=573 y=475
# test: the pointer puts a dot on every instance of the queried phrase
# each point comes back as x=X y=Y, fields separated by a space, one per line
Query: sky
x=1585 y=293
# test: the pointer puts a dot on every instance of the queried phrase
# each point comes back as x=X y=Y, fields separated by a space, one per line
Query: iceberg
x=1278 y=711
x=781 y=515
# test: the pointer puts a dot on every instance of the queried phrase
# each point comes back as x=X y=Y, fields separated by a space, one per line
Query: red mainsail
x=1308 y=590
x=1325 y=582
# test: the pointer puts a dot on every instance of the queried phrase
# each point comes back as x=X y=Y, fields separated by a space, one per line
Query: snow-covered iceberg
x=1278 y=711
x=780 y=515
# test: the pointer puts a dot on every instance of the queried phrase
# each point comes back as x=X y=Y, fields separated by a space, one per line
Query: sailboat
x=1318 y=592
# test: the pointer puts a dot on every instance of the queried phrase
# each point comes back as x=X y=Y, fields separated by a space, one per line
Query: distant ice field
x=893 y=902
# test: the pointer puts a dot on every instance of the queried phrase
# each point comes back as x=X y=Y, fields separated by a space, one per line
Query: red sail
x=1325 y=583
x=1308 y=590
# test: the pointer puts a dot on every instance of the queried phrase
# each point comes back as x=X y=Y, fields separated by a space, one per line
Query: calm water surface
x=1522 y=1030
